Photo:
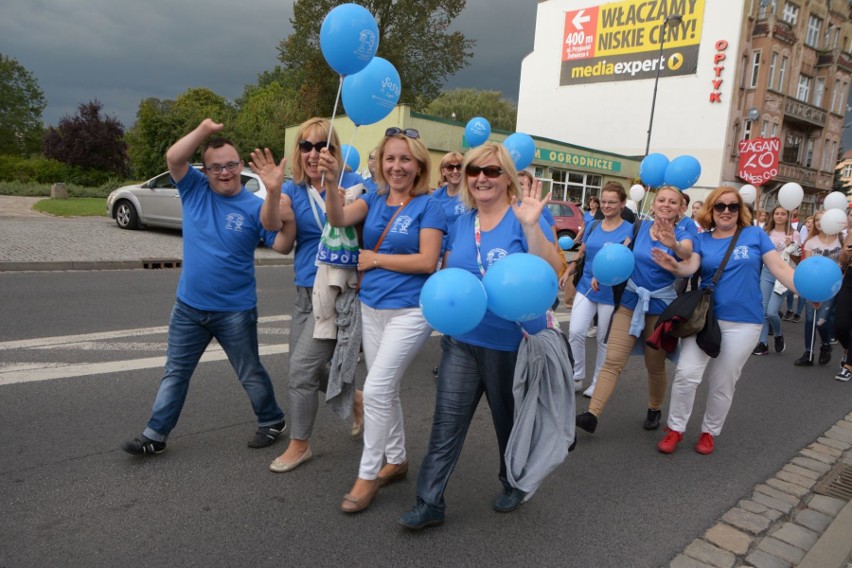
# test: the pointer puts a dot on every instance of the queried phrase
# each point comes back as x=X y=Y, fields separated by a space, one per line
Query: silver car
x=156 y=202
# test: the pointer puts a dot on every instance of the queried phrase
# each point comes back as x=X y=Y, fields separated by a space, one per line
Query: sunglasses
x=408 y=132
x=305 y=146
x=452 y=167
x=732 y=207
x=489 y=171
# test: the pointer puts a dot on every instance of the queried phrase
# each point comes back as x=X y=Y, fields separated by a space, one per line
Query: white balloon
x=748 y=193
x=631 y=205
x=790 y=195
x=637 y=192
x=833 y=221
x=836 y=200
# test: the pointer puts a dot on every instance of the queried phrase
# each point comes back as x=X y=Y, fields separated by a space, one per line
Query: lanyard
x=477 y=238
x=316 y=201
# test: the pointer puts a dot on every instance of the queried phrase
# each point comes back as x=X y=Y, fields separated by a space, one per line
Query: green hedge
x=44 y=170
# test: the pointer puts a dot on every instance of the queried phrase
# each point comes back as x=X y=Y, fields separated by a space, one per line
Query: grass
x=73 y=207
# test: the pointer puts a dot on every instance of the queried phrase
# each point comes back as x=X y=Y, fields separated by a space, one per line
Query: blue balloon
x=817 y=278
x=477 y=131
x=613 y=264
x=652 y=170
x=453 y=301
x=566 y=243
x=370 y=95
x=522 y=149
x=520 y=287
x=683 y=172
x=350 y=156
x=349 y=38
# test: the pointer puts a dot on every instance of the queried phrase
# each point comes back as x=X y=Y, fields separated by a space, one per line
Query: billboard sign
x=758 y=161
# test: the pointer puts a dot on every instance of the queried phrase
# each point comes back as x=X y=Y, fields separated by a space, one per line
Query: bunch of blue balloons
x=682 y=172
x=518 y=287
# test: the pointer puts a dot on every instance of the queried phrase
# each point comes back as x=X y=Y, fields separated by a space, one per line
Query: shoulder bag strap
x=731 y=247
x=382 y=237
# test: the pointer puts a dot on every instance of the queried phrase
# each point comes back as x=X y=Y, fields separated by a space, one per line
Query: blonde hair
x=317 y=127
x=421 y=154
x=480 y=154
x=450 y=158
x=705 y=216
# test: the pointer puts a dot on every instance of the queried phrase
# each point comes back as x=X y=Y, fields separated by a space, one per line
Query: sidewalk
x=783 y=523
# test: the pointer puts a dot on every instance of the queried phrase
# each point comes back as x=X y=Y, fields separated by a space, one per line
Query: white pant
x=738 y=340
x=582 y=313
x=391 y=339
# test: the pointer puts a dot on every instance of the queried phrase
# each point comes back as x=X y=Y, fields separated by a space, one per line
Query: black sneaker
x=796 y=318
x=588 y=422
x=844 y=375
x=142 y=446
x=787 y=317
x=652 y=422
x=761 y=349
x=824 y=354
x=421 y=516
x=266 y=436
x=805 y=360
x=509 y=500
x=780 y=346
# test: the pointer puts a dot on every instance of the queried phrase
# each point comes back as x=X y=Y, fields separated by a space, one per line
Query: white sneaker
x=589 y=392
x=578 y=386
x=593 y=331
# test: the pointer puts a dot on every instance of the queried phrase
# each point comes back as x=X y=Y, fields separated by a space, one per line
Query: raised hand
x=263 y=164
x=663 y=231
x=664 y=259
x=329 y=167
x=529 y=208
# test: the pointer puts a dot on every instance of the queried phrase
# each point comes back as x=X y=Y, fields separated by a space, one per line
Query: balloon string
x=331 y=124
x=346 y=157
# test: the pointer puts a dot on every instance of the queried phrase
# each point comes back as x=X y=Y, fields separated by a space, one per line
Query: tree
x=413 y=35
x=89 y=140
x=265 y=111
x=468 y=103
x=21 y=105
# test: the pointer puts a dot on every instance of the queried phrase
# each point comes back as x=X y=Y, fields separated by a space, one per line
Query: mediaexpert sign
x=621 y=41
x=758 y=161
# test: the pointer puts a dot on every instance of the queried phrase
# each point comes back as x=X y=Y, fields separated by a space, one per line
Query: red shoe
x=668 y=444
x=705 y=444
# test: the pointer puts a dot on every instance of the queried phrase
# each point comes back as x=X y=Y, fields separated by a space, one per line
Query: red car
x=568 y=217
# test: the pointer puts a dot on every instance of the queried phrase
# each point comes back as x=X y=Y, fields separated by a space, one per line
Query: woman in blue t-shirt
x=503 y=221
x=403 y=229
x=592 y=299
x=299 y=211
x=737 y=304
x=636 y=318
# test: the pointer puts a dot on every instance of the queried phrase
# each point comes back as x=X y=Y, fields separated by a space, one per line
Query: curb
x=72 y=265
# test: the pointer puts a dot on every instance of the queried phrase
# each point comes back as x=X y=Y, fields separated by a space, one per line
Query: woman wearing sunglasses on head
x=737 y=305
x=299 y=208
x=502 y=221
x=403 y=229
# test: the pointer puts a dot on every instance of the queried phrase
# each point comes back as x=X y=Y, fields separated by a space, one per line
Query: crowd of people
x=483 y=210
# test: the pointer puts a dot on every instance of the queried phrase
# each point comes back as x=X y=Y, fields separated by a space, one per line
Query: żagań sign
x=758 y=159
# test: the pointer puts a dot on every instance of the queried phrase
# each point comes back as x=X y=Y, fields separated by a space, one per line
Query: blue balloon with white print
x=349 y=38
x=370 y=95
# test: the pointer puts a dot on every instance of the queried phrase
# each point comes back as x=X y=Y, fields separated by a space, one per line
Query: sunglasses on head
x=732 y=207
x=306 y=146
x=452 y=167
x=489 y=171
x=408 y=132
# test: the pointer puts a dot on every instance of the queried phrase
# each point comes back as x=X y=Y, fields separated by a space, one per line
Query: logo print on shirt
x=460 y=209
x=494 y=255
x=401 y=225
x=740 y=253
x=234 y=222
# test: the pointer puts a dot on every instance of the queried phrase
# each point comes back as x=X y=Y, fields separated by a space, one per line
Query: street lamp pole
x=671 y=20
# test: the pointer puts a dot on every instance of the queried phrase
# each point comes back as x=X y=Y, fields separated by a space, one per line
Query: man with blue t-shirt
x=216 y=295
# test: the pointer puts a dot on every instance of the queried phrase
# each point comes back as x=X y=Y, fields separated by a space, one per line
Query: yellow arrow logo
x=675 y=61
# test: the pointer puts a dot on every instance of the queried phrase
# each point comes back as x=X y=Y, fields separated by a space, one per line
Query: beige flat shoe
x=392 y=472
x=352 y=504
x=280 y=466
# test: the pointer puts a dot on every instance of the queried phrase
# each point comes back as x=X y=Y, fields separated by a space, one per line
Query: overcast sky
x=121 y=52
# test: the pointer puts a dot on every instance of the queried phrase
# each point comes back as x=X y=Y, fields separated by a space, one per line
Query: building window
x=747 y=130
x=764 y=128
x=790 y=13
x=767 y=8
x=782 y=74
x=841 y=97
x=812 y=35
x=847 y=171
x=828 y=155
x=809 y=154
x=819 y=92
x=773 y=61
x=804 y=89
x=791 y=149
x=755 y=68
x=774 y=132
x=575 y=186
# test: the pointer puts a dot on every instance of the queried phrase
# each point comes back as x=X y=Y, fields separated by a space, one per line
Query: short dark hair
x=686 y=197
x=217 y=142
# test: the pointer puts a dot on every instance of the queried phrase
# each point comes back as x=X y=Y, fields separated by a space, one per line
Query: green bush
x=38 y=169
x=33 y=189
x=33 y=177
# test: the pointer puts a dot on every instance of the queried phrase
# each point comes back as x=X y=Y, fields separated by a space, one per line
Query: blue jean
x=464 y=374
x=771 y=305
x=800 y=303
x=190 y=331
x=823 y=323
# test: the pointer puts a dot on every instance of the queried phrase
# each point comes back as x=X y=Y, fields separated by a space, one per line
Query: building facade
x=712 y=73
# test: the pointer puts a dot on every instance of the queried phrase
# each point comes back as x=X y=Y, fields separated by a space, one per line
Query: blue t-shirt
x=308 y=231
x=220 y=235
x=453 y=207
x=595 y=240
x=370 y=184
x=588 y=217
x=386 y=289
x=737 y=296
x=506 y=238
x=647 y=273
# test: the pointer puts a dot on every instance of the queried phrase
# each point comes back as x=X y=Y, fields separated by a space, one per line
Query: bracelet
x=375 y=261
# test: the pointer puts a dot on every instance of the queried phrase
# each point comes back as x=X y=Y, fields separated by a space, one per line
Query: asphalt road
x=70 y=497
